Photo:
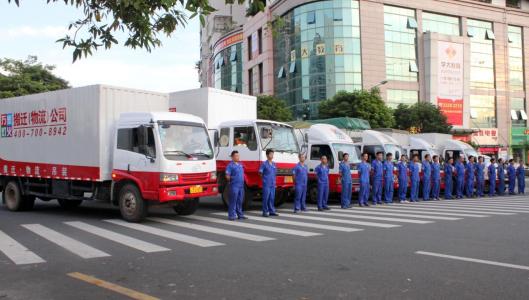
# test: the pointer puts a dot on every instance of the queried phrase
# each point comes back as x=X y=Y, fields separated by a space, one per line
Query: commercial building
x=468 y=57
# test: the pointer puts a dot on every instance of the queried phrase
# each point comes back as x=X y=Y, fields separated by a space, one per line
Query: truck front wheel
x=14 y=200
x=131 y=204
x=187 y=207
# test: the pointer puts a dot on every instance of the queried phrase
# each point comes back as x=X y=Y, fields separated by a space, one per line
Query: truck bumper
x=179 y=193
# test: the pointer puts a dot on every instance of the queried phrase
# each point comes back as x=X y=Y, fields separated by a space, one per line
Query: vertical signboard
x=450 y=81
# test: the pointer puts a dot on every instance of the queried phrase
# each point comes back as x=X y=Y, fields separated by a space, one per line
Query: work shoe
x=326 y=208
x=274 y=215
x=243 y=218
x=265 y=215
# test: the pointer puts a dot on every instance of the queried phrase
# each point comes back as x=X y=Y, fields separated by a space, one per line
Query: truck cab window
x=245 y=137
x=129 y=140
x=317 y=151
x=224 y=138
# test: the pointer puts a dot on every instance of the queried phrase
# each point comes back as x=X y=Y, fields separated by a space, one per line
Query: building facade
x=468 y=57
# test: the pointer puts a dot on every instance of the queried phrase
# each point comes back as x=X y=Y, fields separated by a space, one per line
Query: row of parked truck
x=135 y=148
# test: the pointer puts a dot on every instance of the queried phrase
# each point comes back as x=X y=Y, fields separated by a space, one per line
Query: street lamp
x=379 y=84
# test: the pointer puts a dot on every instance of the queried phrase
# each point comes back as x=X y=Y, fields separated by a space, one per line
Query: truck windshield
x=470 y=152
x=351 y=149
x=280 y=138
x=396 y=150
x=185 y=141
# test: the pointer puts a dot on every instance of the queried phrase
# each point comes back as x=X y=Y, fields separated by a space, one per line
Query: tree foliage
x=363 y=104
x=142 y=21
x=423 y=116
x=271 y=108
x=23 y=77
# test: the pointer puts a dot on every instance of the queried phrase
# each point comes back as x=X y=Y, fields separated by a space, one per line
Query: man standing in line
x=426 y=177
x=347 y=181
x=436 y=178
x=267 y=171
x=388 y=178
x=235 y=178
x=511 y=172
x=300 y=173
x=501 y=177
x=322 y=173
x=449 y=172
x=520 y=174
x=492 y=177
x=402 y=169
x=460 y=176
x=415 y=179
x=470 y=170
x=364 y=172
x=480 y=177
x=378 y=173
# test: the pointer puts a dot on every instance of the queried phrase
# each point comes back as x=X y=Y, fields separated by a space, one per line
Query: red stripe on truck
x=45 y=170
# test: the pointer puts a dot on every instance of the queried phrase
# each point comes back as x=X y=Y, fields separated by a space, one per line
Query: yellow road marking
x=111 y=286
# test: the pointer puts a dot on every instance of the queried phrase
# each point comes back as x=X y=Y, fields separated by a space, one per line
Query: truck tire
x=312 y=194
x=187 y=207
x=13 y=198
x=69 y=204
x=281 y=197
x=131 y=204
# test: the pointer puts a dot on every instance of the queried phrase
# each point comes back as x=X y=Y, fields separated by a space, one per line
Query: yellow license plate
x=195 y=189
x=288 y=179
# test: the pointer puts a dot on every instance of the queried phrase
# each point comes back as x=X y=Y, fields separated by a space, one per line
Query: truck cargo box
x=67 y=134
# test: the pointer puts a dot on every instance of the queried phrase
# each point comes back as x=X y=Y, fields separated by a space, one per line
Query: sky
x=33 y=28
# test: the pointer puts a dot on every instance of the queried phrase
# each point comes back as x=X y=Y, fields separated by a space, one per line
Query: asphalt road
x=319 y=257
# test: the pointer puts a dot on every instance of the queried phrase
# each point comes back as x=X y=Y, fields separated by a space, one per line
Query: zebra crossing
x=211 y=229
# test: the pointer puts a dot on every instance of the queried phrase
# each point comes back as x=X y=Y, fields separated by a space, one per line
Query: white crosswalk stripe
x=485 y=208
x=408 y=209
x=16 y=252
x=302 y=224
x=166 y=234
x=467 y=209
x=248 y=225
x=406 y=215
x=342 y=221
x=448 y=209
x=118 y=237
x=353 y=216
x=230 y=233
x=74 y=246
x=484 y=204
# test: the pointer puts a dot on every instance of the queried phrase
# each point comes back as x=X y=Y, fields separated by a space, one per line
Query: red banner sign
x=453 y=110
x=228 y=41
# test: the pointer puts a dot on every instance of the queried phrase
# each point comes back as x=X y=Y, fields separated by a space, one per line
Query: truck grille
x=194 y=178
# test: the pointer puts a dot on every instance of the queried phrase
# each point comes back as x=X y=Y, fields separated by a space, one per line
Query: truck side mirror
x=143 y=143
x=340 y=155
x=216 y=139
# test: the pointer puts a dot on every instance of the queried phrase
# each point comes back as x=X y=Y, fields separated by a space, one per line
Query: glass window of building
x=317 y=53
x=440 y=23
x=518 y=114
x=400 y=43
x=481 y=55
x=516 y=76
x=396 y=97
x=483 y=111
x=228 y=68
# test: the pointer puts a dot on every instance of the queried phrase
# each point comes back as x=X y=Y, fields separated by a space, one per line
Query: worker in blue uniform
x=449 y=173
x=460 y=177
x=511 y=172
x=322 y=173
x=415 y=179
x=346 y=181
x=436 y=177
x=378 y=173
x=492 y=177
x=402 y=170
x=235 y=178
x=470 y=173
x=388 y=168
x=426 y=177
x=268 y=171
x=480 y=177
x=501 y=177
x=364 y=173
x=300 y=173
x=520 y=175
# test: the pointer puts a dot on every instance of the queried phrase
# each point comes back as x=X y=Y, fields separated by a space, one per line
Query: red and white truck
x=103 y=143
x=233 y=124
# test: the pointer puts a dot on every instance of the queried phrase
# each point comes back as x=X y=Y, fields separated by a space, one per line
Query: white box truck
x=103 y=143
x=232 y=121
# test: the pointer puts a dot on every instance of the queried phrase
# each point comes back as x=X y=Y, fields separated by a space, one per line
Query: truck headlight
x=168 y=177
x=213 y=175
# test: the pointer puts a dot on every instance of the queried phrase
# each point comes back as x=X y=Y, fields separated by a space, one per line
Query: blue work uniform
x=402 y=170
x=426 y=179
x=347 y=184
x=511 y=172
x=480 y=179
x=268 y=172
x=378 y=174
x=470 y=170
x=460 y=179
x=436 y=180
x=322 y=173
x=492 y=180
x=364 y=170
x=449 y=172
x=415 y=182
x=501 y=179
x=520 y=175
x=301 y=173
x=388 y=181
x=236 y=192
